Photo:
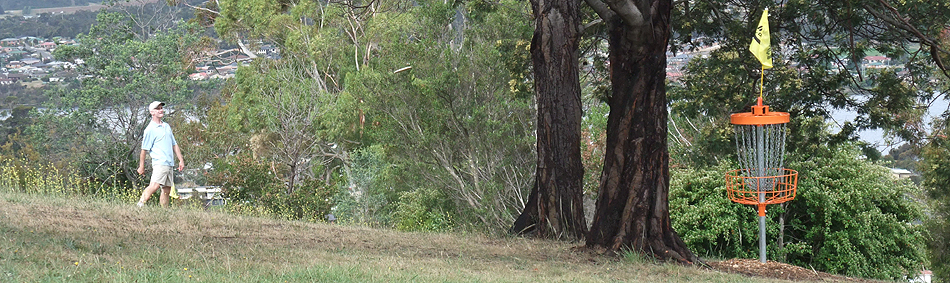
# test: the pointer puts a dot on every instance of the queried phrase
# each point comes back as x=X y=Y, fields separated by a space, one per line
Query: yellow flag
x=761 y=41
x=173 y=193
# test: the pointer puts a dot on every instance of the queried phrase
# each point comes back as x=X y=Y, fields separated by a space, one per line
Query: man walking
x=159 y=143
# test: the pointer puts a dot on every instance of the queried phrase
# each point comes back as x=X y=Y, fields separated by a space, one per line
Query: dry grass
x=57 y=239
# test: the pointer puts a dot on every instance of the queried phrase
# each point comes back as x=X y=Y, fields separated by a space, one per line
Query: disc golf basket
x=763 y=179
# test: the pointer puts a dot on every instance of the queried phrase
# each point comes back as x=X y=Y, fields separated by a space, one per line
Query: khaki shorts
x=162 y=175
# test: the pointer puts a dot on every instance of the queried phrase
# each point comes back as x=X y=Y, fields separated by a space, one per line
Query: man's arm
x=142 y=162
x=181 y=160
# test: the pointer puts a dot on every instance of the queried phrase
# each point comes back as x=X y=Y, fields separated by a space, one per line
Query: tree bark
x=633 y=206
x=555 y=207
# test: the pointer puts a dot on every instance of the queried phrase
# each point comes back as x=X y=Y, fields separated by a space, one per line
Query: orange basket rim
x=771 y=118
x=760 y=115
x=771 y=197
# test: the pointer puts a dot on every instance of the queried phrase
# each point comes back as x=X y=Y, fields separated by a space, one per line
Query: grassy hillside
x=53 y=239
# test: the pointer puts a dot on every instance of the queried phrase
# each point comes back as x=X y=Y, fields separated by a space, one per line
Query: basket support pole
x=760 y=160
x=762 y=233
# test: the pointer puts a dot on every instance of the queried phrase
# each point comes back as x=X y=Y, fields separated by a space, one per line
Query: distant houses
x=26 y=59
x=48 y=46
x=7 y=42
x=876 y=62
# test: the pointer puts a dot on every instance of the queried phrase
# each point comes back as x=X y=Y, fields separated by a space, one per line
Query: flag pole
x=762 y=82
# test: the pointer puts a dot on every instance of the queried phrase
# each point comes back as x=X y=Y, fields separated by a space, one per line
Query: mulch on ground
x=778 y=270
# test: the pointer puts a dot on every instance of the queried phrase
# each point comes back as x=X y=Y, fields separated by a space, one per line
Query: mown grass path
x=54 y=239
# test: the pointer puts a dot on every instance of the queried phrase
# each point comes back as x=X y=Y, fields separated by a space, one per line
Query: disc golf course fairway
x=54 y=239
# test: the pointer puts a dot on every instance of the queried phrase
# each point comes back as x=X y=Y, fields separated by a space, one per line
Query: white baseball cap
x=155 y=104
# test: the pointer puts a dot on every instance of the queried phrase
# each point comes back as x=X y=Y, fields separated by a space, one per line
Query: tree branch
x=591 y=23
x=901 y=22
x=628 y=11
x=245 y=50
x=601 y=9
x=185 y=3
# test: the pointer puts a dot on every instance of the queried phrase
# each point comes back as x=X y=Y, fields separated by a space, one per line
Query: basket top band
x=760 y=115
x=768 y=118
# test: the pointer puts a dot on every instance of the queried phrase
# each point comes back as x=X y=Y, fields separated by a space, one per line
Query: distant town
x=676 y=64
x=29 y=61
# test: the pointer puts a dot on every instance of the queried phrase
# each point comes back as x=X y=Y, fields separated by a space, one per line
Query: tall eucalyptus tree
x=555 y=207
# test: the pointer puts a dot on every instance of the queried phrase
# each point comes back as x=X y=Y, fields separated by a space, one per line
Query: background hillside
x=21 y=4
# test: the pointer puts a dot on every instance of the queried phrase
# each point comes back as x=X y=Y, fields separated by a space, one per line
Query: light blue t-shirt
x=158 y=140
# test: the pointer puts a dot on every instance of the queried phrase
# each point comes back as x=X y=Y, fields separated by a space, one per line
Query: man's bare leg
x=147 y=193
x=164 y=197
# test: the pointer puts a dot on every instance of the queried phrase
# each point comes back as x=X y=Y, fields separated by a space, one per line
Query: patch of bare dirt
x=778 y=270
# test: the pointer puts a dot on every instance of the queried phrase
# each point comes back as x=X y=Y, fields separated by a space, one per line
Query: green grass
x=56 y=239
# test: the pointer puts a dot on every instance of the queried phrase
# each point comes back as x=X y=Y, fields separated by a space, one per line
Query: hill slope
x=56 y=239
x=81 y=6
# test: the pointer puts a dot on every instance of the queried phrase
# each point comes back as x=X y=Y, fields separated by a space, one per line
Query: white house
x=926 y=276
x=901 y=173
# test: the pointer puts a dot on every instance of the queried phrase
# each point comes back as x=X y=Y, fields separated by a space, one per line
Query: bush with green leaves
x=424 y=209
x=860 y=219
x=935 y=168
x=707 y=221
x=243 y=179
x=251 y=185
x=850 y=216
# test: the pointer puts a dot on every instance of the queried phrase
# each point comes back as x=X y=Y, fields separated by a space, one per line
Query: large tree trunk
x=555 y=206
x=632 y=208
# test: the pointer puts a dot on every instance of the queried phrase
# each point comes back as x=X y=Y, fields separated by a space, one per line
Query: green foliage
x=243 y=179
x=19 y=120
x=708 y=222
x=424 y=210
x=18 y=94
x=311 y=201
x=860 y=217
x=849 y=217
x=252 y=187
x=456 y=120
x=47 y=25
x=699 y=142
x=370 y=192
x=935 y=168
x=904 y=157
x=593 y=142
x=36 y=177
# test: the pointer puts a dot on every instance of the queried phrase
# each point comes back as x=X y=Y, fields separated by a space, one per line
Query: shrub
x=39 y=178
x=850 y=217
x=708 y=222
x=423 y=209
x=253 y=188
